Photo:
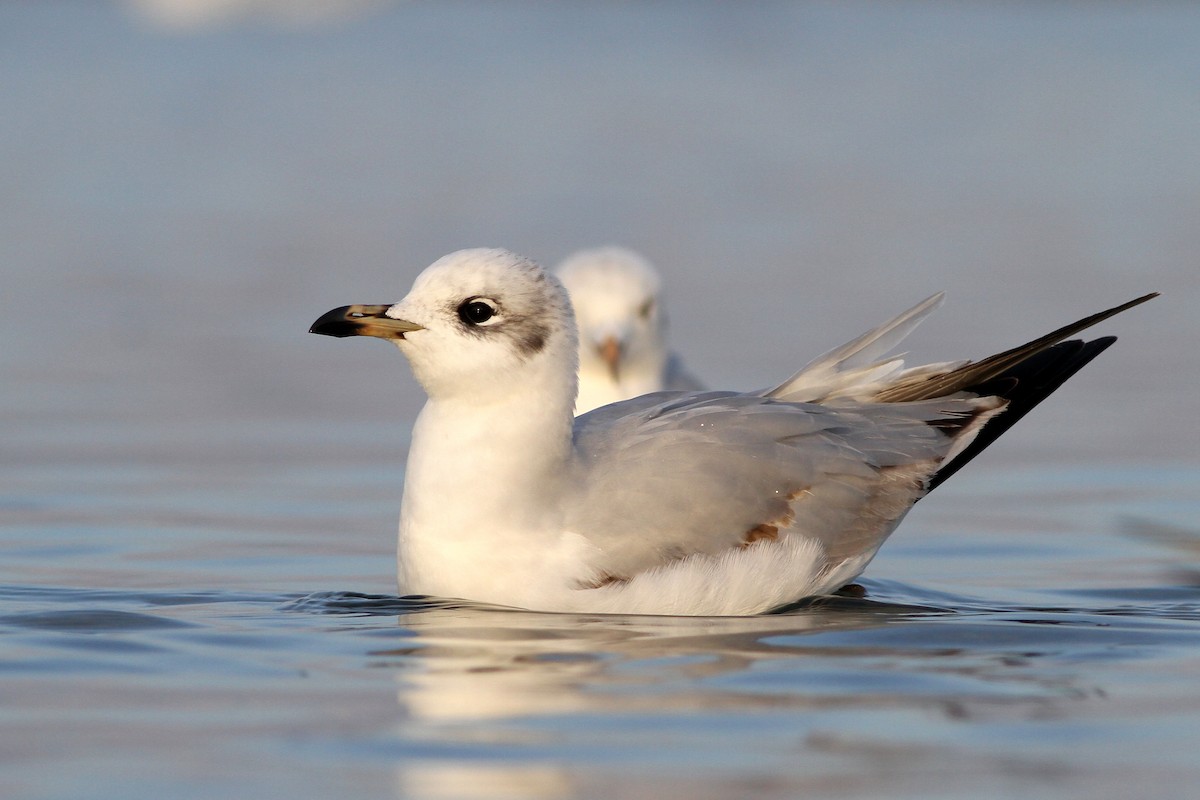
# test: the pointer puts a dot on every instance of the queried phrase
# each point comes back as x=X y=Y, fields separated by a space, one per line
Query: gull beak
x=361 y=320
x=610 y=353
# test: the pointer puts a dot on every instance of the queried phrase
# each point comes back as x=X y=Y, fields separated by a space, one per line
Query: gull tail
x=1023 y=376
x=861 y=367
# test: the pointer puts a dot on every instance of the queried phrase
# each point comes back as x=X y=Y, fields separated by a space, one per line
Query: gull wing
x=668 y=476
x=708 y=473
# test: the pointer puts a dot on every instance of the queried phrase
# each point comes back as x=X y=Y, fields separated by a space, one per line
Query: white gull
x=715 y=503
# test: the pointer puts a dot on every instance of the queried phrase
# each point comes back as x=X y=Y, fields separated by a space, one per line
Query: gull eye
x=647 y=309
x=476 y=311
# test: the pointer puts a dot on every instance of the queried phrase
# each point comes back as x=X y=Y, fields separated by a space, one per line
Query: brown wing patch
x=602 y=580
x=769 y=531
x=759 y=533
x=763 y=532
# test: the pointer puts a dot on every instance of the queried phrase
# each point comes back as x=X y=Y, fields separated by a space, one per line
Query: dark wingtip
x=1024 y=386
x=975 y=373
x=335 y=323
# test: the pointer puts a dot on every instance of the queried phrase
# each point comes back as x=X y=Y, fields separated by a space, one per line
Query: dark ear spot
x=531 y=339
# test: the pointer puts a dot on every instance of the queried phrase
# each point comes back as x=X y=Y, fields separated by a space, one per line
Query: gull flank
x=699 y=503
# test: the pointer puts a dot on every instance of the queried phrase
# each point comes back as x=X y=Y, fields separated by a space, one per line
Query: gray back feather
x=669 y=475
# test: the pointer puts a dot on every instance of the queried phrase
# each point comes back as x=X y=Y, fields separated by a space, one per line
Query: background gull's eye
x=647 y=309
x=476 y=311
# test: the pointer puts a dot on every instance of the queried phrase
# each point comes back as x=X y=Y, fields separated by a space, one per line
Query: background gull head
x=618 y=302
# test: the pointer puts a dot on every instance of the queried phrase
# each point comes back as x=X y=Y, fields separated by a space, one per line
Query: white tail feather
x=856 y=369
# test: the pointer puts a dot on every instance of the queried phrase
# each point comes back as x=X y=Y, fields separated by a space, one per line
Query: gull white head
x=478 y=324
x=622 y=328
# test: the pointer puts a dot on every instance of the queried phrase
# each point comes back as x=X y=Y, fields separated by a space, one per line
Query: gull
x=677 y=503
x=616 y=296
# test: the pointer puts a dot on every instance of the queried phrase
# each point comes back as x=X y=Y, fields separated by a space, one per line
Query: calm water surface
x=198 y=500
x=1010 y=675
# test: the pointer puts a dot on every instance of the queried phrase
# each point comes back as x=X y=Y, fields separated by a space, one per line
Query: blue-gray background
x=185 y=186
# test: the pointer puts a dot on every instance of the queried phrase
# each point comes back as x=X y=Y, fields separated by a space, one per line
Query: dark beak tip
x=341 y=331
x=334 y=323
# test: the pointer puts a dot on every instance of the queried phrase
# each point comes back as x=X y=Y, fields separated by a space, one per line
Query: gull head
x=615 y=294
x=476 y=323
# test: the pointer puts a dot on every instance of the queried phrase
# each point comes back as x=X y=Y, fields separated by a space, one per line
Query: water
x=198 y=500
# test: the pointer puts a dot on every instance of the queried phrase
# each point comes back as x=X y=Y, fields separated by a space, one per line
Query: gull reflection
x=459 y=780
x=509 y=703
x=469 y=668
x=476 y=663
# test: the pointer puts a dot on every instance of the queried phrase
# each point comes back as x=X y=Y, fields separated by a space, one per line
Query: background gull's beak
x=610 y=352
x=362 y=320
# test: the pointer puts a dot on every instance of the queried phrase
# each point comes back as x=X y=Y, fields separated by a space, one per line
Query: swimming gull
x=701 y=503
x=617 y=298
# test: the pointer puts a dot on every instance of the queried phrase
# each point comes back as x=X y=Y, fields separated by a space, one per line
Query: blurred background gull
x=185 y=15
x=617 y=296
